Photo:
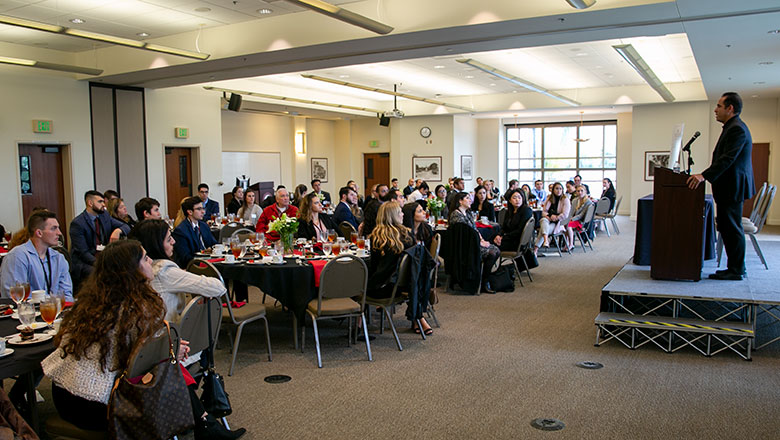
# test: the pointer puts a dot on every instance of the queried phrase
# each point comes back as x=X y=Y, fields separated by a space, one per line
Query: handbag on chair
x=156 y=408
x=214 y=397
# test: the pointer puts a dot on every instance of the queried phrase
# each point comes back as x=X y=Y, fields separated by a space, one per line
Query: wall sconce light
x=300 y=143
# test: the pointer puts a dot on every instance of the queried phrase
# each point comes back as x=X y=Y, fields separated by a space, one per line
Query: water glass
x=17 y=293
x=327 y=248
x=26 y=314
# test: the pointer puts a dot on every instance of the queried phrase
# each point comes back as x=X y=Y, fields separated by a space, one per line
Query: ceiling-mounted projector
x=581 y=4
x=394 y=113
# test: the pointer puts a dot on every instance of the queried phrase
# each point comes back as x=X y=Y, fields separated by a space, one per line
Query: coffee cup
x=217 y=249
x=277 y=259
x=37 y=295
x=230 y=258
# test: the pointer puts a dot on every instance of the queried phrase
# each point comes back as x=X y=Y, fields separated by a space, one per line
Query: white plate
x=35 y=326
x=7 y=352
x=37 y=339
x=16 y=315
x=6 y=316
x=234 y=262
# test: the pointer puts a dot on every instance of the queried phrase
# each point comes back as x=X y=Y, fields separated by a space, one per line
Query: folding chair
x=526 y=242
x=434 y=250
x=582 y=232
x=751 y=229
x=601 y=212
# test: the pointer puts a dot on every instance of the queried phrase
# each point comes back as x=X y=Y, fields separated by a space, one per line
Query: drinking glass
x=263 y=251
x=331 y=235
x=49 y=307
x=17 y=294
x=60 y=297
x=361 y=242
x=327 y=248
x=260 y=238
x=27 y=314
x=235 y=246
x=26 y=291
x=353 y=237
x=368 y=245
x=336 y=248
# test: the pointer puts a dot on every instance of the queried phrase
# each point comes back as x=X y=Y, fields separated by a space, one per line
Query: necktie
x=98 y=238
x=201 y=245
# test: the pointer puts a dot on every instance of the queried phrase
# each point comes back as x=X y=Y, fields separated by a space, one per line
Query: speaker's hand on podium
x=695 y=180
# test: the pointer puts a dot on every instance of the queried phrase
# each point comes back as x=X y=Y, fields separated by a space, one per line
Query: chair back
x=501 y=216
x=754 y=213
x=435 y=246
x=617 y=205
x=346 y=229
x=203 y=267
x=602 y=206
x=194 y=322
x=153 y=351
x=590 y=213
x=527 y=236
x=343 y=277
x=243 y=234
x=228 y=230
x=766 y=204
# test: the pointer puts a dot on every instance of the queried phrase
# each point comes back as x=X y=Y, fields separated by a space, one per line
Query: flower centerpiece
x=286 y=227
x=436 y=206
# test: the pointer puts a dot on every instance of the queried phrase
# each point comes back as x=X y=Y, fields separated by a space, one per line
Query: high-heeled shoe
x=209 y=428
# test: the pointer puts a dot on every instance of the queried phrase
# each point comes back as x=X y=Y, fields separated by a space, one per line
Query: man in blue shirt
x=539 y=192
x=35 y=261
x=343 y=212
x=193 y=234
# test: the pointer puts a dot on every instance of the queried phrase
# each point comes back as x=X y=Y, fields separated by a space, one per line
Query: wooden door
x=178 y=177
x=760 y=172
x=42 y=184
x=376 y=169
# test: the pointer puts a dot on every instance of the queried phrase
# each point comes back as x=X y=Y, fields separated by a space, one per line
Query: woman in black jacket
x=516 y=217
x=609 y=192
x=482 y=205
x=414 y=219
x=313 y=224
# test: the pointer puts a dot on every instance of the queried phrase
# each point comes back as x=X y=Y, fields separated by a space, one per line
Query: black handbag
x=214 y=397
x=156 y=408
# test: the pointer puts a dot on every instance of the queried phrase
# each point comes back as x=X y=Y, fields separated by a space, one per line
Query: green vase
x=287 y=243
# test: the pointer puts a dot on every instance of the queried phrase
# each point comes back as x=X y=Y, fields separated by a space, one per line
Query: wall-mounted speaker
x=384 y=121
x=235 y=102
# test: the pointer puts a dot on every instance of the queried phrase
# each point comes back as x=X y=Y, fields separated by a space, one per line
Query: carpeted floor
x=498 y=362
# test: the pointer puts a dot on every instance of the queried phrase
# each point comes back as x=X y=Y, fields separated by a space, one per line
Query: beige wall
x=465 y=143
x=490 y=152
x=624 y=157
x=406 y=142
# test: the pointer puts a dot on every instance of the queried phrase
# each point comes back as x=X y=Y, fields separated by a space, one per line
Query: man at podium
x=731 y=177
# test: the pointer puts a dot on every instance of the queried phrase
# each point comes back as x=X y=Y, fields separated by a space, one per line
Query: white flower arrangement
x=284 y=225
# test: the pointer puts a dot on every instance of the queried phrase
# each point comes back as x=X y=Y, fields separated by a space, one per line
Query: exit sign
x=182 y=133
x=42 y=126
x=373 y=144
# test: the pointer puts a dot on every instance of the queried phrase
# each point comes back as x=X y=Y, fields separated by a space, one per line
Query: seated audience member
x=117 y=308
x=394 y=183
x=372 y=208
x=459 y=213
x=298 y=194
x=35 y=262
x=513 y=184
x=193 y=234
x=490 y=196
x=458 y=186
x=313 y=224
x=578 y=181
x=571 y=190
x=110 y=194
x=236 y=201
x=374 y=193
x=90 y=232
x=282 y=206
x=148 y=208
x=494 y=189
x=482 y=206
x=316 y=187
x=118 y=210
x=555 y=209
x=361 y=203
x=343 y=212
x=516 y=217
x=441 y=193
x=528 y=195
x=579 y=208
x=480 y=182
x=409 y=188
x=388 y=241
x=539 y=192
x=421 y=193
x=609 y=192
x=210 y=207
x=171 y=282
x=21 y=236
x=414 y=219
x=250 y=211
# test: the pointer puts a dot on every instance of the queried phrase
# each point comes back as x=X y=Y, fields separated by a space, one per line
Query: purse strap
x=211 y=334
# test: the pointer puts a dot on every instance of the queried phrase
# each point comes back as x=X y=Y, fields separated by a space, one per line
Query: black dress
x=512 y=228
x=610 y=194
x=487 y=210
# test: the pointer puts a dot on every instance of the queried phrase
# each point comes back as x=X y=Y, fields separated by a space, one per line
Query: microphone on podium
x=687 y=146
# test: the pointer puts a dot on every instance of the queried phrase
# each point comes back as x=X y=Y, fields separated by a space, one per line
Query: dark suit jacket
x=306 y=229
x=82 y=238
x=212 y=207
x=487 y=210
x=731 y=170
x=408 y=190
x=187 y=242
x=344 y=214
x=512 y=228
x=233 y=206
x=369 y=216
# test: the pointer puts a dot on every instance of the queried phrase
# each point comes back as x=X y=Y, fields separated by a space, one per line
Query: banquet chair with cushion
x=228 y=230
x=396 y=298
x=582 y=232
x=240 y=316
x=526 y=243
x=243 y=234
x=434 y=250
x=346 y=229
x=341 y=279
x=602 y=210
x=193 y=325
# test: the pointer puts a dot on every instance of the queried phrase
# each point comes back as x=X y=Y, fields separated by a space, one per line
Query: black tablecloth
x=644 y=229
x=24 y=358
x=290 y=283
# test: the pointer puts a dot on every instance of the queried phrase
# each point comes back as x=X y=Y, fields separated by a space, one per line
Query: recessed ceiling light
x=598 y=67
x=143 y=34
x=264 y=11
x=202 y=9
x=343 y=76
x=469 y=76
x=514 y=91
x=774 y=31
x=766 y=63
x=759 y=83
x=438 y=67
x=754 y=96
x=76 y=20
x=582 y=54
x=492 y=84
x=380 y=84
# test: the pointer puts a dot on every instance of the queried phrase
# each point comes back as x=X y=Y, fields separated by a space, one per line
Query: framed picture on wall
x=466 y=167
x=319 y=169
x=427 y=168
x=655 y=159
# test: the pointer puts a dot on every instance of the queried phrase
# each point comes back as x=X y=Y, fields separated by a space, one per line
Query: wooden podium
x=678 y=228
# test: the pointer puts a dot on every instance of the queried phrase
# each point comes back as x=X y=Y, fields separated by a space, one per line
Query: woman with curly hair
x=117 y=308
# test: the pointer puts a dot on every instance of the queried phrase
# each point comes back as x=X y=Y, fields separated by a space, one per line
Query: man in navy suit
x=731 y=177
x=316 y=186
x=90 y=232
x=210 y=206
x=343 y=212
x=193 y=234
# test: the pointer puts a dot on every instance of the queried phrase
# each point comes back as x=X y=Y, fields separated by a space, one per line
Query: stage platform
x=724 y=307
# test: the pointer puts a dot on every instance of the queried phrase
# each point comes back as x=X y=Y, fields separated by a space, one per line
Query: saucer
x=35 y=326
x=38 y=338
x=7 y=352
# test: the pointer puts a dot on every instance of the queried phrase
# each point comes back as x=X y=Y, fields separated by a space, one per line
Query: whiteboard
x=257 y=166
